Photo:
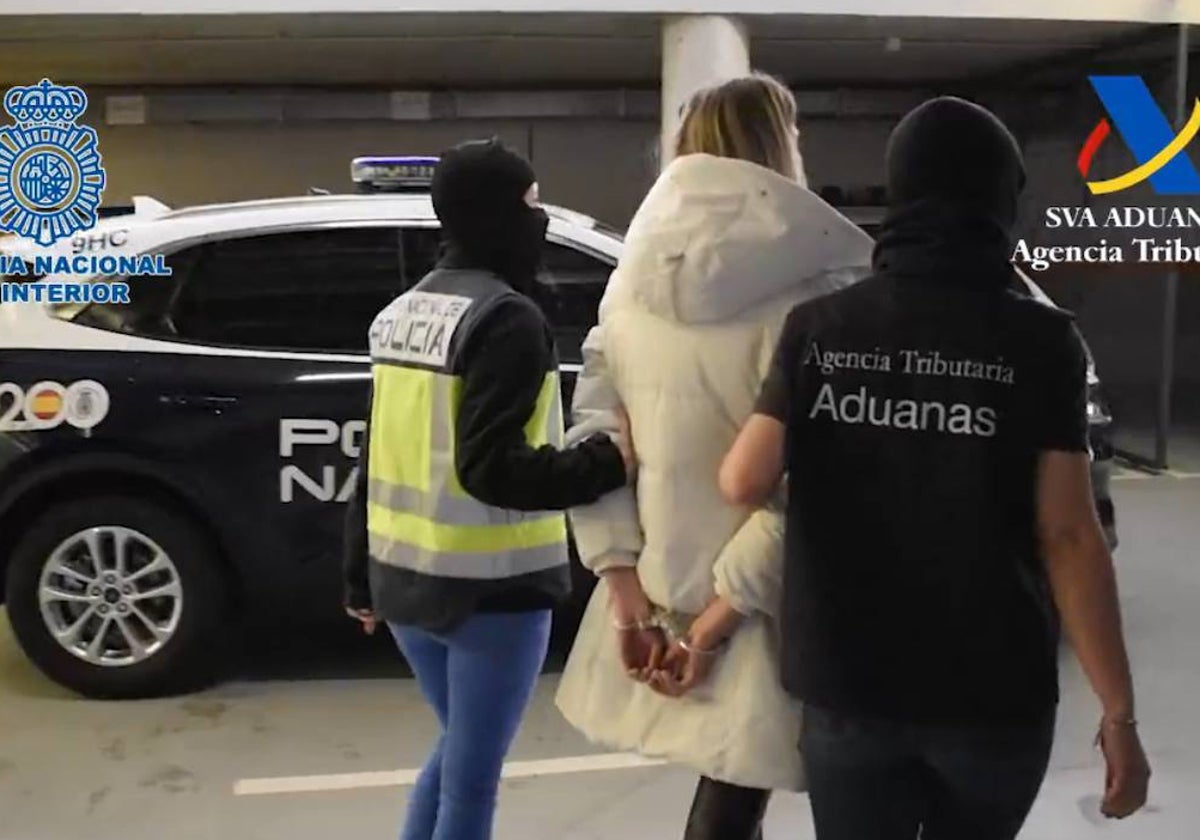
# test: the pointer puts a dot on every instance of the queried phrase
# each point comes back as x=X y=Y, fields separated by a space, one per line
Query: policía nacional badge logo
x=51 y=177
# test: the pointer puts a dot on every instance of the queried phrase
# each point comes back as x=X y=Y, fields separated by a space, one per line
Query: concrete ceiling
x=511 y=50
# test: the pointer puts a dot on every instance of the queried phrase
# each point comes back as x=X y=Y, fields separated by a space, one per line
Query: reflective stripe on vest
x=418 y=515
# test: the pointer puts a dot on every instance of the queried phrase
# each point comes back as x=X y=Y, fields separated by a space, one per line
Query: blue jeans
x=479 y=679
x=886 y=780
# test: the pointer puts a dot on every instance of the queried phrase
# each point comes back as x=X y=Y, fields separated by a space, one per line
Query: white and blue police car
x=173 y=464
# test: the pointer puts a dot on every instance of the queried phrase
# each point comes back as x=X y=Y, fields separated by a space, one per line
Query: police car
x=172 y=464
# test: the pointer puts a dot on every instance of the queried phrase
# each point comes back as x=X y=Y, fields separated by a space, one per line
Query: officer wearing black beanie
x=479 y=194
x=932 y=422
x=955 y=175
x=455 y=536
x=958 y=152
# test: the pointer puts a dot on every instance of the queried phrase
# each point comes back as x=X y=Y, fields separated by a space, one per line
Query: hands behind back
x=641 y=644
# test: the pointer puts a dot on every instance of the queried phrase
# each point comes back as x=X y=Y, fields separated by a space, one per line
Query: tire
x=179 y=638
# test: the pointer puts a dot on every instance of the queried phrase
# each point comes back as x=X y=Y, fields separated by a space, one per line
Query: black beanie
x=478 y=193
x=951 y=150
x=955 y=176
x=477 y=181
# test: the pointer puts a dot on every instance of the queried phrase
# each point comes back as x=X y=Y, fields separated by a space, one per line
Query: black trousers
x=721 y=811
x=886 y=780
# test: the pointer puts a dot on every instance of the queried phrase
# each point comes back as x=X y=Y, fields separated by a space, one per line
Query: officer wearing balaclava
x=932 y=421
x=482 y=196
x=455 y=535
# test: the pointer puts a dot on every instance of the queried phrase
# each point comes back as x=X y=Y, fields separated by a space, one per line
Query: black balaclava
x=478 y=193
x=955 y=175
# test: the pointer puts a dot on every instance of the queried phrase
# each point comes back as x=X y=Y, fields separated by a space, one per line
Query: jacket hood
x=716 y=237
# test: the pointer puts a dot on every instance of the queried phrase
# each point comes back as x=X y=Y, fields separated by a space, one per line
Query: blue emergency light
x=393 y=173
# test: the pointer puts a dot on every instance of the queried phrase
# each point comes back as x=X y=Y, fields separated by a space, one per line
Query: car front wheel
x=118 y=597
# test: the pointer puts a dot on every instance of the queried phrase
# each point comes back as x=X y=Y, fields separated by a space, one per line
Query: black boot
x=721 y=811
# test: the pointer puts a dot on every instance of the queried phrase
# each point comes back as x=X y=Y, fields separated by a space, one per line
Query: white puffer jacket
x=715 y=258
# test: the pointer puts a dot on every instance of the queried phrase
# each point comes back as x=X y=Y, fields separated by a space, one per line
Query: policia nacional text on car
x=450 y=535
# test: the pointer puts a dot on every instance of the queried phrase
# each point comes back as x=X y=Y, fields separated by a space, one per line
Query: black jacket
x=504 y=368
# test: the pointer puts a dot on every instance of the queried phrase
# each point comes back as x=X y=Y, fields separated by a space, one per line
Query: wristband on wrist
x=1123 y=722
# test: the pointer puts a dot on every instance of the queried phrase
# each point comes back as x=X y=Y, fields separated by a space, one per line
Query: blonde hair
x=748 y=118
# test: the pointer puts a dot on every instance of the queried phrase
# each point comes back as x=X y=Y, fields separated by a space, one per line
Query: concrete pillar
x=698 y=51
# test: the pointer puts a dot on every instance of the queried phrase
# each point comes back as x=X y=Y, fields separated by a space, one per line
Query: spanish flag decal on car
x=46 y=404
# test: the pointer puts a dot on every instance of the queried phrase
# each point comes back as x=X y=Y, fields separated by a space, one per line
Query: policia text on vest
x=419 y=516
x=417 y=328
x=860 y=406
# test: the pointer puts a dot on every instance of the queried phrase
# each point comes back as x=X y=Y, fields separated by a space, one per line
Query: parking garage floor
x=315 y=740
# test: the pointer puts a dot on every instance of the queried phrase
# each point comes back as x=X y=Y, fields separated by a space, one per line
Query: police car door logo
x=418 y=327
x=51 y=176
x=86 y=403
x=47 y=405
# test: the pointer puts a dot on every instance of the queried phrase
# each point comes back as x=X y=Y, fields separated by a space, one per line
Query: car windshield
x=65 y=311
x=9 y=277
x=10 y=254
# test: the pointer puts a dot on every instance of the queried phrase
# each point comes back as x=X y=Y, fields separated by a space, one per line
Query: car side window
x=569 y=290
x=315 y=290
x=422 y=247
x=150 y=298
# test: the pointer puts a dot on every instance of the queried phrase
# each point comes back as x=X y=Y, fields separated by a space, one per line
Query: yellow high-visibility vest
x=418 y=515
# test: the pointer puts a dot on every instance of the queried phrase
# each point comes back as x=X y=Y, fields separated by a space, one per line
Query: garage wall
x=601 y=169
x=604 y=166
x=185 y=164
x=598 y=166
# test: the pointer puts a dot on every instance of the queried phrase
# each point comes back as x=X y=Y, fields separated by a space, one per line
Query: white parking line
x=401 y=778
x=1146 y=476
x=1133 y=476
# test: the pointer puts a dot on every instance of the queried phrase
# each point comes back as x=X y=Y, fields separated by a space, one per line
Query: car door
x=267 y=395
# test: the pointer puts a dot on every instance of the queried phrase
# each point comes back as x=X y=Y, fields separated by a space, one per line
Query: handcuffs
x=675 y=626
